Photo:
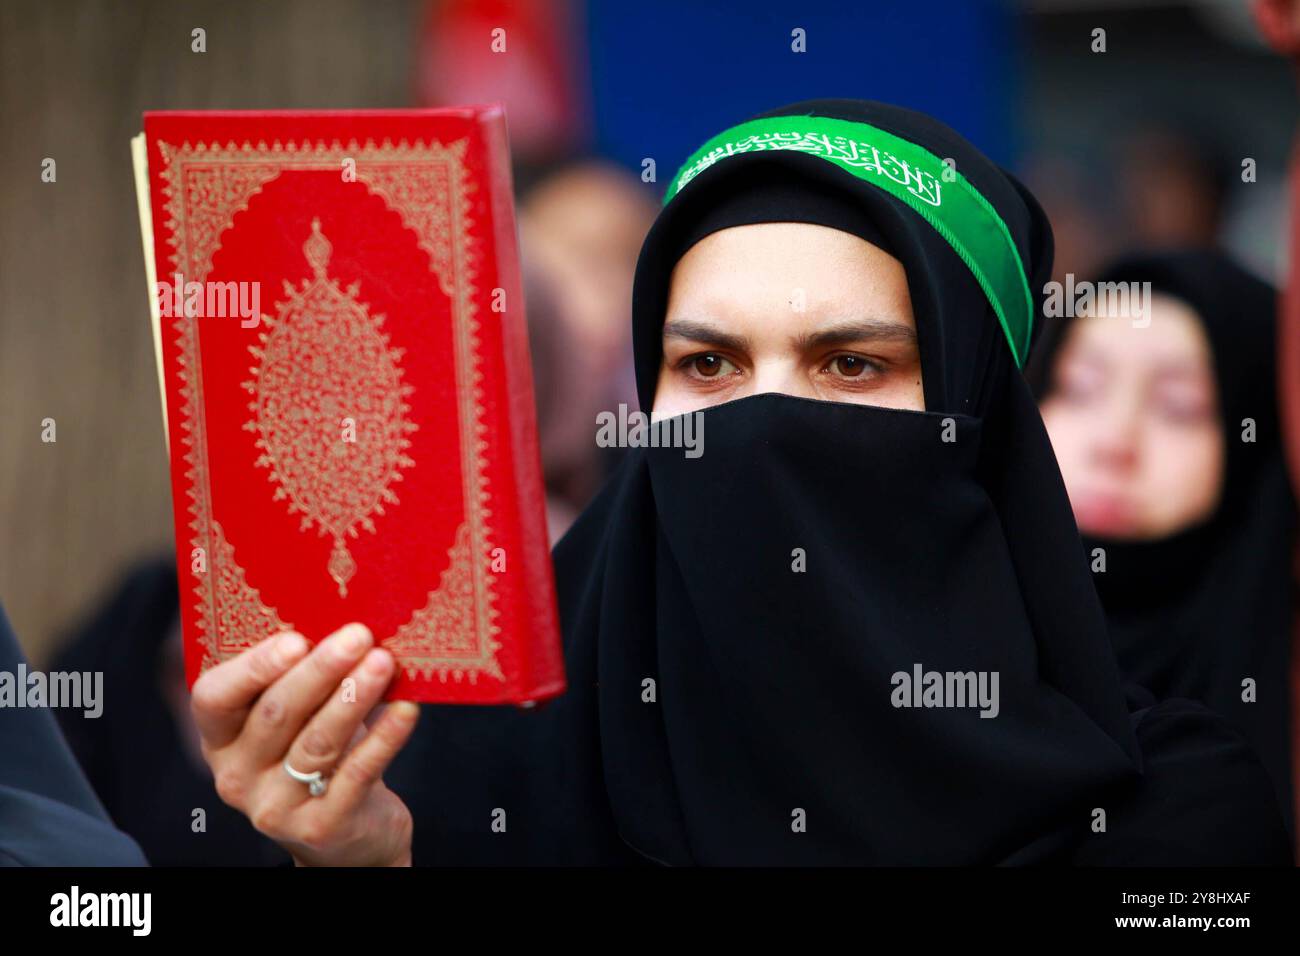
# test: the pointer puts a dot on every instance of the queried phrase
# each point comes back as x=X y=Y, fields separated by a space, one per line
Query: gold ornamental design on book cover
x=329 y=408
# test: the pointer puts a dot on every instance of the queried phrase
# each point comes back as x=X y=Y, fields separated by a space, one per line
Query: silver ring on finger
x=315 y=781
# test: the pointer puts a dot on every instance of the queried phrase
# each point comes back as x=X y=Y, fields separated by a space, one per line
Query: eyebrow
x=1178 y=368
x=873 y=330
x=1183 y=370
x=704 y=333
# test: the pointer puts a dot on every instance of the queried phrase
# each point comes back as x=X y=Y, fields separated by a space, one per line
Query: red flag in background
x=1279 y=22
x=522 y=53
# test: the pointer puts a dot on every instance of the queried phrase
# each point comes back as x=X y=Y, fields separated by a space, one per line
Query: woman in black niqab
x=726 y=708
x=1198 y=612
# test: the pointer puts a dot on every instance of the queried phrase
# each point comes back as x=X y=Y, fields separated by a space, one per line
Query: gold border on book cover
x=453 y=635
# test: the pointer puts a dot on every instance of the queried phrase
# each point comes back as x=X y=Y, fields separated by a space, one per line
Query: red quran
x=346 y=389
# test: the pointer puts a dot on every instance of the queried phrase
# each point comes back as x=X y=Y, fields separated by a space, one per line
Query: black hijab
x=1196 y=613
x=726 y=708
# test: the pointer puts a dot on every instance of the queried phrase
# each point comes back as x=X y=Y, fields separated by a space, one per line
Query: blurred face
x=1133 y=415
x=583 y=229
x=788 y=307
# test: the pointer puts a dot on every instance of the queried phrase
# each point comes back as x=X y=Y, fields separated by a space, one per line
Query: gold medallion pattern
x=204 y=186
x=329 y=408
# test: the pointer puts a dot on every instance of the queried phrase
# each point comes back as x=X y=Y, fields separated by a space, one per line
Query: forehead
x=1174 y=337
x=799 y=272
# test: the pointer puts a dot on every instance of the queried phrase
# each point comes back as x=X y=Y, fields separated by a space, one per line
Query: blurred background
x=1141 y=143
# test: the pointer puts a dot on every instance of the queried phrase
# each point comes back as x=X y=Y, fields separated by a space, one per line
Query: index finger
x=223 y=694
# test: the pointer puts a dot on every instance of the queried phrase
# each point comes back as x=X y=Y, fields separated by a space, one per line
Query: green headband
x=960 y=214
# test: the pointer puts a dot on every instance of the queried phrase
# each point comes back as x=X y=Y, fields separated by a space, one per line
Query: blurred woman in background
x=1165 y=427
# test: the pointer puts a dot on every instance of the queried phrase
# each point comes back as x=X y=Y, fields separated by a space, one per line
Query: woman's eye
x=711 y=365
x=1079 y=384
x=850 y=366
x=1185 y=409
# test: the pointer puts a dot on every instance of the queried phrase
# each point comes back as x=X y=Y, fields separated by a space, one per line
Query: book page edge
x=140 y=163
